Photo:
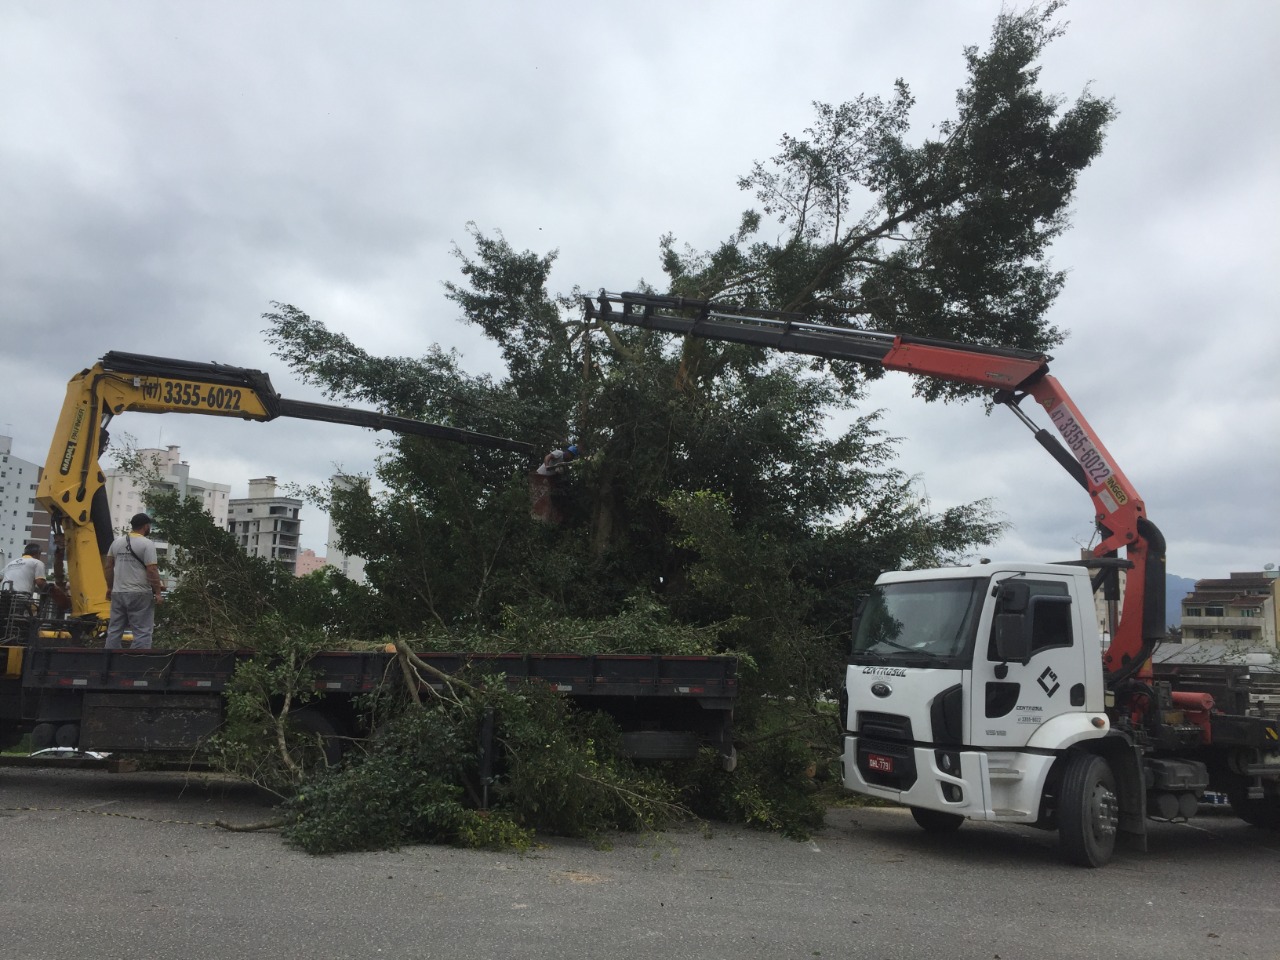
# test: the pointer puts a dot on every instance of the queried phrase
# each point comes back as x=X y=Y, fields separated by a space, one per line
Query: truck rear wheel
x=1264 y=812
x=322 y=746
x=42 y=736
x=67 y=736
x=1088 y=811
x=937 y=821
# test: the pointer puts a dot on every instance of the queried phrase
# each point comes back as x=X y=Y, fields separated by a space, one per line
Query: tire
x=1263 y=813
x=937 y=821
x=324 y=746
x=42 y=736
x=67 y=736
x=1088 y=811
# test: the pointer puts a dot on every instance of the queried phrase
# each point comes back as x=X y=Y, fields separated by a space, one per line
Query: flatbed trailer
x=172 y=701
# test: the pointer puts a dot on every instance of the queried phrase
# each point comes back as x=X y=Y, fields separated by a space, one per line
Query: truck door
x=1011 y=700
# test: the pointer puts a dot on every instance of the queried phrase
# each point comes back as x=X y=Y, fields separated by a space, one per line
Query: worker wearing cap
x=556 y=462
x=133 y=585
x=25 y=574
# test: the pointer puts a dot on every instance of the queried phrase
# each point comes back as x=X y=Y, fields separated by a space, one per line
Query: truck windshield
x=920 y=622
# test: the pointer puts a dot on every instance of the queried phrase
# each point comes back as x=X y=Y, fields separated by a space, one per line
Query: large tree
x=715 y=494
x=952 y=242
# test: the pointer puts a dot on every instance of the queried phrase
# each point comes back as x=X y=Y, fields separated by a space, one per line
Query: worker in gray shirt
x=133 y=585
x=26 y=574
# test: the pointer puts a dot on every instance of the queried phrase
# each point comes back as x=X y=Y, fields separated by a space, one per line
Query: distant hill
x=1175 y=588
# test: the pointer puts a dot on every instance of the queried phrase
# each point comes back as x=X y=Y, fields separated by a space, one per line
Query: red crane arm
x=1013 y=374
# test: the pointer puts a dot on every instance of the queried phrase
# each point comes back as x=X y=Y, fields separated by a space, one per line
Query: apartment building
x=266 y=524
x=21 y=522
x=126 y=494
x=1241 y=608
x=308 y=562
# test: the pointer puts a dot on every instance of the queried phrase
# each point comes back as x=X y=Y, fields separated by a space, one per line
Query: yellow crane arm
x=72 y=485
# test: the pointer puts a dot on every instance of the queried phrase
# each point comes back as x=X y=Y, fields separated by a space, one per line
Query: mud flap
x=1126 y=764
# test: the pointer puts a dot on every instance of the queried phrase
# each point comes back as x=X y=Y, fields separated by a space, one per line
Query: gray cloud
x=170 y=169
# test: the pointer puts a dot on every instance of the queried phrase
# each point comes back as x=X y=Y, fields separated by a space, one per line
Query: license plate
x=879 y=763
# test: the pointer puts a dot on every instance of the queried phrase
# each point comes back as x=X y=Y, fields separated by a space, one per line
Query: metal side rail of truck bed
x=360 y=672
x=171 y=700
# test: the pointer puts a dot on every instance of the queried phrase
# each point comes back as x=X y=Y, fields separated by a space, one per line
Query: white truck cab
x=966 y=684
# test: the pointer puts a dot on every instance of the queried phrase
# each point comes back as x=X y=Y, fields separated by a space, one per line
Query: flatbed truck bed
x=171 y=701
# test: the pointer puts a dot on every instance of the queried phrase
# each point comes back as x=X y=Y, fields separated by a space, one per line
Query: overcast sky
x=167 y=170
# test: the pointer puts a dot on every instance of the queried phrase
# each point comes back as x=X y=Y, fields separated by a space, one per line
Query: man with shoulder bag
x=133 y=585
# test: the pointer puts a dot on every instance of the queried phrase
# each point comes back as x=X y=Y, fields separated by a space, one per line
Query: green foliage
x=564 y=775
x=260 y=740
x=506 y=298
x=642 y=625
x=222 y=597
x=953 y=239
x=406 y=789
x=772 y=788
x=556 y=771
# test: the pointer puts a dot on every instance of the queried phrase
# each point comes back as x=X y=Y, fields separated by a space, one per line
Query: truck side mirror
x=1013 y=639
x=1014 y=596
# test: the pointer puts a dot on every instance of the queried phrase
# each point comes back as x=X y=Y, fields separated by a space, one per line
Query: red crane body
x=1013 y=375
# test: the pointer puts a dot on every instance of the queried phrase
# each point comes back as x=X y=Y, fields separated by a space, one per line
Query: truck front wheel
x=1088 y=811
x=936 y=821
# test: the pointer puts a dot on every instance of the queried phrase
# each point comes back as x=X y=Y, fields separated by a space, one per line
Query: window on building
x=1241 y=634
x=1214 y=611
x=1192 y=612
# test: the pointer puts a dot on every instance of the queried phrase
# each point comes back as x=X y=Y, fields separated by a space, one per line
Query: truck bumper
x=979 y=785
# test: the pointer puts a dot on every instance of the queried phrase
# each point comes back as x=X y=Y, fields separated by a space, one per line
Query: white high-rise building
x=18 y=514
x=351 y=566
x=125 y=493
x=266 y=525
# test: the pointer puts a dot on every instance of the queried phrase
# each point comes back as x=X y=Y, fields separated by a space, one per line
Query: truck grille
x=884 y=726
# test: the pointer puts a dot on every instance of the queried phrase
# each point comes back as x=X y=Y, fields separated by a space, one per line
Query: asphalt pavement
x=103 y=866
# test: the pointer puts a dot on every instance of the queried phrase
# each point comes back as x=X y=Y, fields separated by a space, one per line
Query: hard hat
x=573 y=449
